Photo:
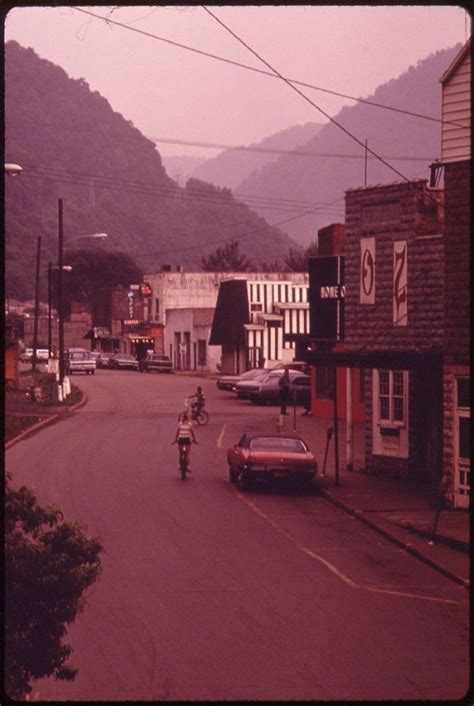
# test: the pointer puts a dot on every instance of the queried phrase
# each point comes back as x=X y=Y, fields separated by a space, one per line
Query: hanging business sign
x=400 y=293
x=326 y=298
x=367 y=271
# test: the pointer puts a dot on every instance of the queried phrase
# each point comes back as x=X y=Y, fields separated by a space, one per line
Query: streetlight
x=51 y=267
x=13 y=169
x=95 y=236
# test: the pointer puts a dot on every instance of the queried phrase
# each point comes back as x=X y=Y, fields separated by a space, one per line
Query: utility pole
x=49 y=310
x=365 y=166
x=336 y=431
x=60 y=292
x=35 y=329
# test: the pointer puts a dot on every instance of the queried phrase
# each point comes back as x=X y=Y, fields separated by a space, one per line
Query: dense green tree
x=74 y=146
x=96 y=269
x=49 y=564
x=227 y=258
x=297 y=260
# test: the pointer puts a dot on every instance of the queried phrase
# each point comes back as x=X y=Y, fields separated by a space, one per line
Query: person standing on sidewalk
x=284 y=385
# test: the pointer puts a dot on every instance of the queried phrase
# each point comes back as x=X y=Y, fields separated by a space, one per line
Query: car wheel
x=92 y=372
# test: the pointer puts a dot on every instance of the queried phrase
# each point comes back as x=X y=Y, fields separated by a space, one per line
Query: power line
x=176 y=192
x=260 y=71
x=265 y=150
x=308 y=100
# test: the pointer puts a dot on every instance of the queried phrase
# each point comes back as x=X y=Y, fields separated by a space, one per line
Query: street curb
x=44 y=423
x=391 y=538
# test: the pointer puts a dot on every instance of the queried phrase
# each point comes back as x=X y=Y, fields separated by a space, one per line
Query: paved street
x=211 y=594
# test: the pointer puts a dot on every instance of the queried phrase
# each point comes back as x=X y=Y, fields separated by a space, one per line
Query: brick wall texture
x=457 y=262
x=403 y=211
x=415 y=216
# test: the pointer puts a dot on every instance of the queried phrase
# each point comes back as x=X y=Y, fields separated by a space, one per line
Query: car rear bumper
x=277 y=474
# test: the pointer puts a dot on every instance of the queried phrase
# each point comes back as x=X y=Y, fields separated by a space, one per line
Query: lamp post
x=51 y=267
x=96 y=236
x=35 y=328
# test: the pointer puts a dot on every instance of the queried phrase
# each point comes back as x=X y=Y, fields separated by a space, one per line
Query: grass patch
x=49 y=391
x=16 y=425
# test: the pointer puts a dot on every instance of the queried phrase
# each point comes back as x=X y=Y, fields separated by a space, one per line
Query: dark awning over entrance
x=390 y=360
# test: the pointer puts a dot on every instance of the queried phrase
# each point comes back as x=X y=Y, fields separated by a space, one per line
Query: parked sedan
x=251 y=388
x=269 y=457
x=228 y=382
x=269 y=390
x=123 y=361
x=243 y=388
x=103 y=359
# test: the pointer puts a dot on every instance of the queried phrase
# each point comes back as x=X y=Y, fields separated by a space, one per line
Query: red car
x=268 y=457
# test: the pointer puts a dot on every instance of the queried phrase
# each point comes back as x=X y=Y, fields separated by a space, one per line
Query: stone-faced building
x=456 y=161
x=393 y=267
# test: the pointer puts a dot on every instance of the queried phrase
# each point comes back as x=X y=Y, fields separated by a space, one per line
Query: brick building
x=457 y=165
x=393 y=313
x=394 y=320
x=120 y=321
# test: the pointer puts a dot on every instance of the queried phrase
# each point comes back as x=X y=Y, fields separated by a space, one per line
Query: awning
x=389 y=360
x=97 y=332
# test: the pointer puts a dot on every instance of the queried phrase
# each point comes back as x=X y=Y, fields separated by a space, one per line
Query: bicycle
x=184 y=458
x=197 y=415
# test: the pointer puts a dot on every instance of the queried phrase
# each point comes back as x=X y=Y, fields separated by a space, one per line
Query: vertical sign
x=400 y=308
x=326 y=297
x=367 y=271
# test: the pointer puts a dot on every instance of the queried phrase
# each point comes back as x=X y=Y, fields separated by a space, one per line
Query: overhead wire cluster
x=275 y=204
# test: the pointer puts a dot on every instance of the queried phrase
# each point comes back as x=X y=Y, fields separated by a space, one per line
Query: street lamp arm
x=92 y=236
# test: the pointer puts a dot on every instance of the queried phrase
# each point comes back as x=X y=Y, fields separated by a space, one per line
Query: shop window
x=157 y=309
x=392 y=397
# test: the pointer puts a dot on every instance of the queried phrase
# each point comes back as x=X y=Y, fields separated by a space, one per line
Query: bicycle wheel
x=202 y=417
x=183 y=465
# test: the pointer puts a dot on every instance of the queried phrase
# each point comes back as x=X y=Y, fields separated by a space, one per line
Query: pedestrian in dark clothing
x=284 y=385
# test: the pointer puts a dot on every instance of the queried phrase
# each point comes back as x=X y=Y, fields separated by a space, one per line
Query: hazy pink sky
x=170 y=92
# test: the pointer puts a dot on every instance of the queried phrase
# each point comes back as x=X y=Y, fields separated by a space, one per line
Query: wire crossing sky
x=190 y=97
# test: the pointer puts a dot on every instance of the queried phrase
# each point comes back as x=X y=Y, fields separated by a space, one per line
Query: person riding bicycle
x=185 y=436
x=199 y=401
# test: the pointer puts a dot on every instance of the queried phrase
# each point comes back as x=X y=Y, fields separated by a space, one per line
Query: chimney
x=331 y=239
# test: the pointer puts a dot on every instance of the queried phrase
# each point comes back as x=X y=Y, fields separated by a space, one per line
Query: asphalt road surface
x=211 y=594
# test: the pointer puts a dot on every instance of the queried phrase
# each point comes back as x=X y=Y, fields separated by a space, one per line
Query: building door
x=255 y=357
x=462 y=443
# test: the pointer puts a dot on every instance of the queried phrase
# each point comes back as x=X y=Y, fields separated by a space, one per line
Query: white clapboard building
x=261 y=320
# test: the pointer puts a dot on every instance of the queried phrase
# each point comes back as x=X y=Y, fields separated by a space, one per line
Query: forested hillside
x=233 y=166
x=72 y=145
x=338 y=162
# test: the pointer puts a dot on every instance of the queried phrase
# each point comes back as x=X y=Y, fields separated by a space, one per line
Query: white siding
x=456 y=107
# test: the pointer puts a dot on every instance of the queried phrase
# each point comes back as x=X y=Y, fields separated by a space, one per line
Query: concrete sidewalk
x=403 y=512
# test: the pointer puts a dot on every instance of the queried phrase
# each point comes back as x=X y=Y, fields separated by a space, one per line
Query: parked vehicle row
x=261 y=386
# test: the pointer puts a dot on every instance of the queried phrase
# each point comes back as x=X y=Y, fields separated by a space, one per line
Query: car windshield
x=278 y=444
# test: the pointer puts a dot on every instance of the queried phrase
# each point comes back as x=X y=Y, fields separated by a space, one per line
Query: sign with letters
x=400 y=293
x=326 y=297
x=367 y=271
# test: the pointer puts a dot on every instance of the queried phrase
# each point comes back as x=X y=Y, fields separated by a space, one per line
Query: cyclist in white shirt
x=185 y=436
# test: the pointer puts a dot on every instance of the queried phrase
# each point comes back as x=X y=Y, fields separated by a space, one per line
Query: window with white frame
x=392 y=397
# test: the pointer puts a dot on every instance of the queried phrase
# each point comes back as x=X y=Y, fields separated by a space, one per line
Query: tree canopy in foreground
x=49 y=564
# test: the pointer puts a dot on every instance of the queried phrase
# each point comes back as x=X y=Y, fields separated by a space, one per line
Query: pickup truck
x=79 y=362
x=160 y=363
